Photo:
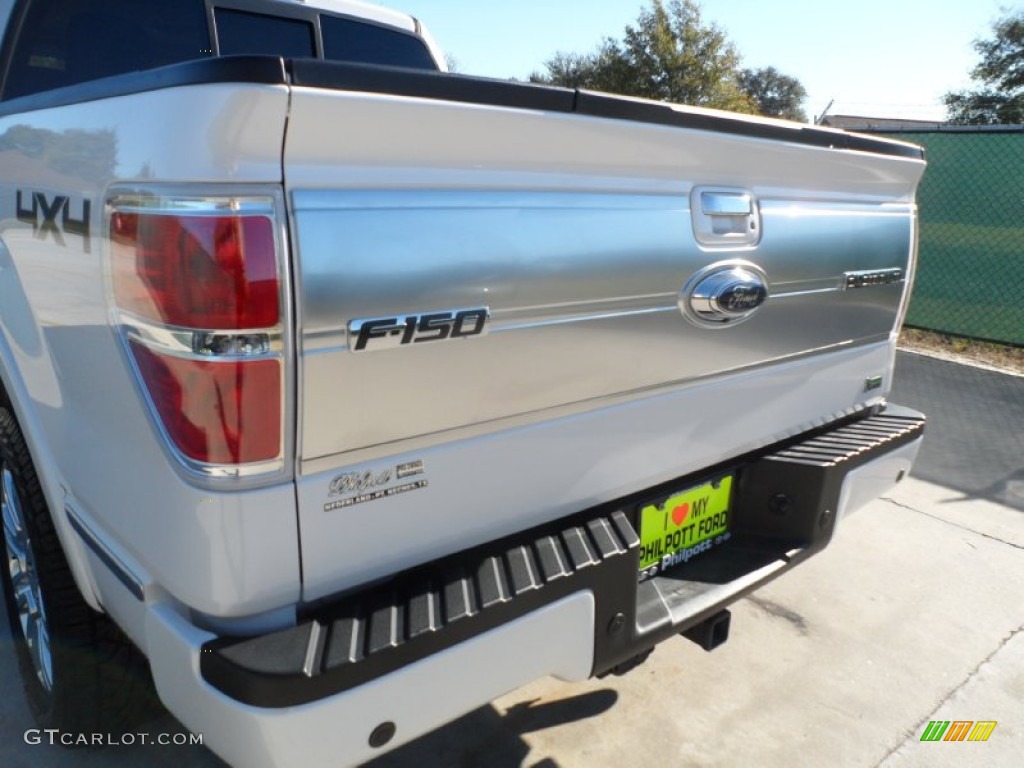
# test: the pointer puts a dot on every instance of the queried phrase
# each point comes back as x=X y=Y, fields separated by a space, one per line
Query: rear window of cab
x=58 y=43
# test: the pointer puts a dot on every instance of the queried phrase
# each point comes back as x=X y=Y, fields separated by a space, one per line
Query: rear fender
x=23 y=347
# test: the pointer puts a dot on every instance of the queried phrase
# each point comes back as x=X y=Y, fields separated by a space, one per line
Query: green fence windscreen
x=970 y=272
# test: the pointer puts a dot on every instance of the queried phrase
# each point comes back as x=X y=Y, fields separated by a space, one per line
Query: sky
x=876 y=58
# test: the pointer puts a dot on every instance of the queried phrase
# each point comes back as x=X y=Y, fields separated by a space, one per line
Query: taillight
x=197 y=271
x=215 y=412
x=197 y=290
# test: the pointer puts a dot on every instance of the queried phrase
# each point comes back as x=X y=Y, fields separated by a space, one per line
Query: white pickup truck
x=354 y=393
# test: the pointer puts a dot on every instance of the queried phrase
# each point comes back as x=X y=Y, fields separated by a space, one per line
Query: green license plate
x=685 y=525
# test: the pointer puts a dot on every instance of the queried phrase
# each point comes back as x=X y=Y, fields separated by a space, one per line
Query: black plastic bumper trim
x=341 y=644
x=422 y=612
x=114 y=565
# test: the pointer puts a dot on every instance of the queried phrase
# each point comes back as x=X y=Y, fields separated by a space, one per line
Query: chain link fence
x=970 y=273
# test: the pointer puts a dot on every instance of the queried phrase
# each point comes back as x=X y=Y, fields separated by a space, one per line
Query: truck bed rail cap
x=259 y=70
x=441 y=86
x=503 y=93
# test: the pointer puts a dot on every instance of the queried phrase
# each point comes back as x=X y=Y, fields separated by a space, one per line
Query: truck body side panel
x=217 y=552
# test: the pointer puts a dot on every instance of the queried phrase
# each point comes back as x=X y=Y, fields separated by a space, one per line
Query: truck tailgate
x=576 y=234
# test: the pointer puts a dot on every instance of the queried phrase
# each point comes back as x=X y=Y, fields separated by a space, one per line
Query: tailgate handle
x=725 y=217
x=725 y=204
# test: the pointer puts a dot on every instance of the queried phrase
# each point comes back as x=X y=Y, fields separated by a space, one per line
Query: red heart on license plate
x=679 y=513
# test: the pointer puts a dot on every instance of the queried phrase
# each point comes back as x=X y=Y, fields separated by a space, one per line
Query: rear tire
x=80 y=673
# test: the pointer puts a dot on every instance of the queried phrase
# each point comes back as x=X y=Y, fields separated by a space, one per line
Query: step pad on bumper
x=848 y=442
x=421 y=612
x=783 y=510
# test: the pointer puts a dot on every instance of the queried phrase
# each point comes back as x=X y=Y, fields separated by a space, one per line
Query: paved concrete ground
x=907 y=618
x=913 y=614
x=975 y=441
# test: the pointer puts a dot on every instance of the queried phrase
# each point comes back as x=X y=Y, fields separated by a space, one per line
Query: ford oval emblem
x=724 y=294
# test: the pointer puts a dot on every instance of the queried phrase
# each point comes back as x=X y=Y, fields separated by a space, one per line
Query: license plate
x=685 y=525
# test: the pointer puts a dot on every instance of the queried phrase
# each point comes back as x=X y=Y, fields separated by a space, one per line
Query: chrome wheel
x=28 y=597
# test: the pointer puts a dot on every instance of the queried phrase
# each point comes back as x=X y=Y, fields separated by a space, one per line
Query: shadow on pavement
x=974 y=441
x=486 y=737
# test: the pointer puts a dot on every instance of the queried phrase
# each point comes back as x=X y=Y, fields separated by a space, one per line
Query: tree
x=774 y=94
x=1000 y=74
x=671 y=54
x=602 y=70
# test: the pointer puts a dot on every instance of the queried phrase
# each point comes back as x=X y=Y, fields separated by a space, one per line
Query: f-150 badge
x=390 y=332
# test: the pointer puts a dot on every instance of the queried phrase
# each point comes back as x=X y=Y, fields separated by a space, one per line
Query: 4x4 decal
x=53 y=216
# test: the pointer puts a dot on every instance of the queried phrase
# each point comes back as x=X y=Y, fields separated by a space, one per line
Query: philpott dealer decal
x=351 y=488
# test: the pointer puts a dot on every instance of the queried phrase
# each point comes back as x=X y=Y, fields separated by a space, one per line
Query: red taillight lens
x=217 y=272
x=197 y=286
x=216 y=412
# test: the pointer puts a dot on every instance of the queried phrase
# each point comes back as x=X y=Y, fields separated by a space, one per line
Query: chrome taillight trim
x=192 y=205
x=213 y=200
x=188 y=342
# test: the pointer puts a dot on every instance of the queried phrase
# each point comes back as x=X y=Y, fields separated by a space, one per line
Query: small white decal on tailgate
x=373 y=484
x=409 y=469
x=356 y=482
x=363 y=498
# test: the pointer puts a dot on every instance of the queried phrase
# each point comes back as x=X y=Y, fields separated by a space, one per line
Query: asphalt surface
x=913 y=614
x=975 y=439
